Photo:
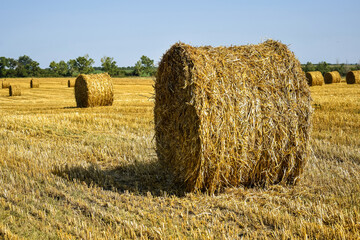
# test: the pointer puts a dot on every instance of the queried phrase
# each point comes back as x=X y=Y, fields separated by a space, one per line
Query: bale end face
x=232 y=116
x=94 y=90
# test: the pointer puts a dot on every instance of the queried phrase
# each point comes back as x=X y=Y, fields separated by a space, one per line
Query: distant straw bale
x=71 y=83
x=353 y=77
x=34 y=83
x=332 y=77
x=14 y=90
x=94 y=90
x=230 y=116
x=5 y=84
x=315 y=78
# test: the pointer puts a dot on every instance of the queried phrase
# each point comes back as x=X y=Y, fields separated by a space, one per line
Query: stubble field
x=70 y=173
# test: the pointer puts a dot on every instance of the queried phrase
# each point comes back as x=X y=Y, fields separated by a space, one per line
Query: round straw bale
x=353 y=77
x=315 y=78
x=5 y=84
x=34 y=83
x=71 y=83
x=14 y=90
x=332 y=77
x=230 y=116
x=94 y=90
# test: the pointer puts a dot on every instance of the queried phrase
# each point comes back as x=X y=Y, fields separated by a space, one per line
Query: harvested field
x=93 y=173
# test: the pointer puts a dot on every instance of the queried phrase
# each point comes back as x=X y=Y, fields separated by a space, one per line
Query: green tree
x=144 y=67
x=3 y=66
x=84 y=64
x=59 y=69
x=62 y=68
x=53 y=67
x=109 y=65
x=80 y=65
x=11 y=65
x=34 y=69
x=27 y=67
x=323 y=67
x=342 y=70
x=73 y=71
x=309 y=67
x=21 y=68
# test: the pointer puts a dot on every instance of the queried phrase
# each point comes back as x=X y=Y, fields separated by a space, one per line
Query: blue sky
x=49 y=30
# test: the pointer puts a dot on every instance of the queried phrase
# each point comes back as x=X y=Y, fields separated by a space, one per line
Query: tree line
x=24 y=66
x=325 y=67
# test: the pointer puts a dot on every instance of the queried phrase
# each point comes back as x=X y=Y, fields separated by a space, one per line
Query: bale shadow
x=138 y=178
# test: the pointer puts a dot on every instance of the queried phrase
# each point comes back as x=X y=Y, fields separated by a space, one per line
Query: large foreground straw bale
x=315 y=78
x=5 y=84
x=230 y=116
x=353 y=77
x=34 y=83
x=332 y=77
x=94 y=90
x=14 y=90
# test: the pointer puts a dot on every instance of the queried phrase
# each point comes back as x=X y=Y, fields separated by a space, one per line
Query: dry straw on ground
x=353 y=77
x=14 y=90
x=94 y=90
x=34 y=83
x=230 y=116
x=71 y=83
x=332 y=77
x=315 y=78
x=5 y=84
